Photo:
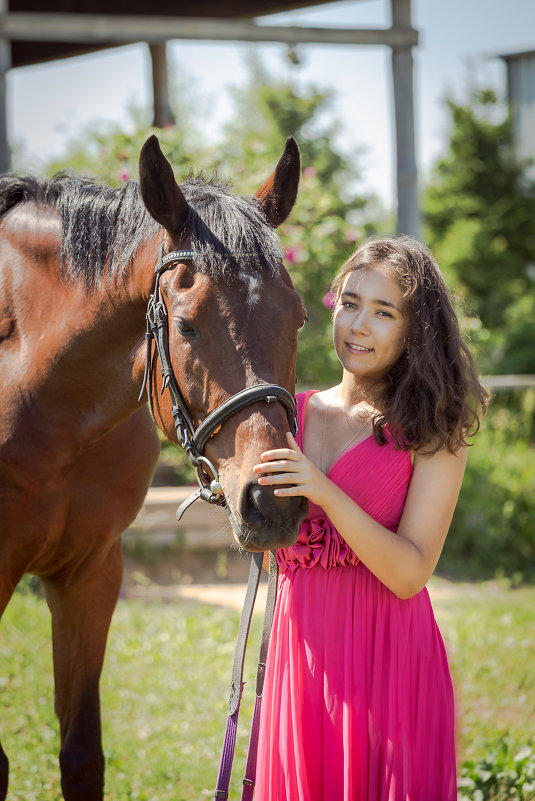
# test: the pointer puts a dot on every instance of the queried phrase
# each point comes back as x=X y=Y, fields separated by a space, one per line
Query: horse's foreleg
x=5 y=595
x=81 y=616
x=4 y=773
x=7 y=587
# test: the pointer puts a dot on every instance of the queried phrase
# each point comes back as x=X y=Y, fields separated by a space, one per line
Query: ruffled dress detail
x=358 y=700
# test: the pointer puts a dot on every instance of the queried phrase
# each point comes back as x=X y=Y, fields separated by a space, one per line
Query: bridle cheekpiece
x=193 y=440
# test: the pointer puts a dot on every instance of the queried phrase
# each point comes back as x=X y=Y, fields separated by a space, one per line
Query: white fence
x=499 y=383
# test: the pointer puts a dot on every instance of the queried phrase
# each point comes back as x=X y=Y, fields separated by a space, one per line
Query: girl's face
x=370 y=326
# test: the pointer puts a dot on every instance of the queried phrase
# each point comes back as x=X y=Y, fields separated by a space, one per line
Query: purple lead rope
x=236 y=687
x=250 y=769
x=227 y=755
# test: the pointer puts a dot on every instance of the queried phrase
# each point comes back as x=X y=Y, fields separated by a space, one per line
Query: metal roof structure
x=29 y=51
x=35 y=31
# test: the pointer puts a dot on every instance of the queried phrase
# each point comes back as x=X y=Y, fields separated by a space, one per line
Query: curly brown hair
x=431 y=397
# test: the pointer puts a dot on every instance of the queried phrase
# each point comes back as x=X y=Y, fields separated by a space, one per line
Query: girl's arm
x=404 y=561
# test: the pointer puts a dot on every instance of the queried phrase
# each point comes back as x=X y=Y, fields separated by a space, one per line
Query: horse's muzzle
x=265 y=521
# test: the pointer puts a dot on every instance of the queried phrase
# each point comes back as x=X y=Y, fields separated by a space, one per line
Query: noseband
x=190 y=439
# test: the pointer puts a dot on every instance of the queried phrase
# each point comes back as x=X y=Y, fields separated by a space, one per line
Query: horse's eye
x=185 y=328
x=303 y=323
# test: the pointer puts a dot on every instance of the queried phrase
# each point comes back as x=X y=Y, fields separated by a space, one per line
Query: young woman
x=358 y=702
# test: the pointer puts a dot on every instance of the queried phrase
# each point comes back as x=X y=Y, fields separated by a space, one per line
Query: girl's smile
x=358 y=348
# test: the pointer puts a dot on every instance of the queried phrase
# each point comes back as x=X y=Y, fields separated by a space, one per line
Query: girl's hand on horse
x=291 y=466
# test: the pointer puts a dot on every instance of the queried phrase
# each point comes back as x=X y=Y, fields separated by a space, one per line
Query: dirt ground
x=221 y=578
x=209 y=577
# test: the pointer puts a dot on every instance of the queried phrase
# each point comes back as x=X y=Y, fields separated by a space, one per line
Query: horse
x=78 y=445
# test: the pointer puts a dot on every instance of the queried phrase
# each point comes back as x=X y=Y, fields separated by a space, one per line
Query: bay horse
x=78 y=445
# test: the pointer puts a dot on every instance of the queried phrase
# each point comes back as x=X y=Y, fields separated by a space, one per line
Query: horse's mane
x=103 y=228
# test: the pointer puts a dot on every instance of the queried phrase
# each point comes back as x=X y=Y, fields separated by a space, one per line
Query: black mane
x=103 y=228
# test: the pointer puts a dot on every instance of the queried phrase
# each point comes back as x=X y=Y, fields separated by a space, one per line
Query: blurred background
x=465 y=168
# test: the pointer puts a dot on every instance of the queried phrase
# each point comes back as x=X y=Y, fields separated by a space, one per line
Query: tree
x=480 y=213
x=109 y=153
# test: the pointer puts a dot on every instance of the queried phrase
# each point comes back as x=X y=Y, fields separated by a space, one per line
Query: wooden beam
x=5 y=64
x=163 y=114
x=408 y=221
x=104 y=29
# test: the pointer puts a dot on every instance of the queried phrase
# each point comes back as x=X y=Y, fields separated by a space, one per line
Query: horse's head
x=233 y=321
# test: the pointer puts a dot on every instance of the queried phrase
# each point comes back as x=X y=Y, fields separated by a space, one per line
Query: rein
x=237 y=683
x=190 y=439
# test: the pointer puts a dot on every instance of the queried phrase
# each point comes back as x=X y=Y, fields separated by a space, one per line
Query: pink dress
x=358 y=701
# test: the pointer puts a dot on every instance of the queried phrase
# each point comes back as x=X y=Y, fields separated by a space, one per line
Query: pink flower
x=124 y=175
x=292 y=254
x=351 y=235
x=310 y=172
x=329 y=300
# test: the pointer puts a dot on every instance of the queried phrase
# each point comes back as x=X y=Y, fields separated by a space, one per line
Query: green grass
x=165 y=689
x=489 y=631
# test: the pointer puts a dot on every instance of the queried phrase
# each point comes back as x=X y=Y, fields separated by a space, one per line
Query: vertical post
x=407 y=177
x=162 y=108
x=5 y=65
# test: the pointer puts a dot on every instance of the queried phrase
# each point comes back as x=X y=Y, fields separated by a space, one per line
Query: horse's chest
x=59 y=505
x=60 y=526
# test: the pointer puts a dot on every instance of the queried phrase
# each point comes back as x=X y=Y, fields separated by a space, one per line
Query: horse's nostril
x=264 y=502
x=261 y=503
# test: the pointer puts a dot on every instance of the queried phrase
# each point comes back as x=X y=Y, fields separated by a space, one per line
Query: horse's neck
x=80 y=354
x=103 y=364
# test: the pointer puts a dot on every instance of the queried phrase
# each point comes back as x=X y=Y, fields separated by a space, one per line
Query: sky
x=50 y=104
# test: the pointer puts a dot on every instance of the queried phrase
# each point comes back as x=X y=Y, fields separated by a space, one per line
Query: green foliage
x=487 y=632
x=492 y=532
x=30 y=585
x=177 y=459
x=504 y=774
x=479 y=211
x=109 y=153
x=111 y=156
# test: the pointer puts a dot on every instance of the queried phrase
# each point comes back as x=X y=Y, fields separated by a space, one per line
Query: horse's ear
x=277 y=195
x=160 y=192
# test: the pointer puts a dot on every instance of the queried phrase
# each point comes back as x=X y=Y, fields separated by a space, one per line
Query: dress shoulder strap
x=302 y=400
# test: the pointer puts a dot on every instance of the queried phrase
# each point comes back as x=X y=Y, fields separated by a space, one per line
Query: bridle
x=193 y=440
